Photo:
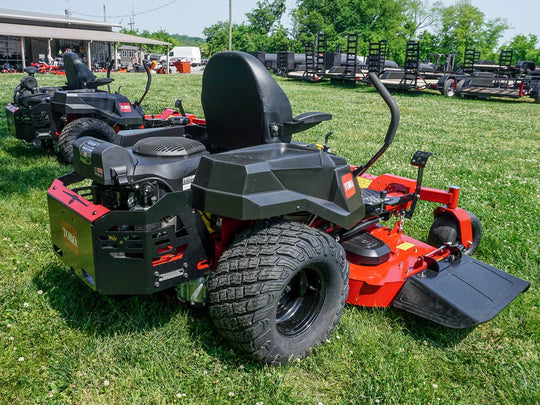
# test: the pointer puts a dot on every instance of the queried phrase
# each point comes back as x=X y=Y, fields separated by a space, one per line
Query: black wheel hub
x=300 y=302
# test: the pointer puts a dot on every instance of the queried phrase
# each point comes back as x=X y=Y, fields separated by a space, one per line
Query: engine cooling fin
x=168 y=147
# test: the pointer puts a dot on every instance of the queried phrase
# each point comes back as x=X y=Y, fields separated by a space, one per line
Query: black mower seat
x=244 y=106
x=79 y=76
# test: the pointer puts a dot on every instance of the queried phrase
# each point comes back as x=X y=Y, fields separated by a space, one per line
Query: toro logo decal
x=348 y=185
x=69 y=237
x=124 y=107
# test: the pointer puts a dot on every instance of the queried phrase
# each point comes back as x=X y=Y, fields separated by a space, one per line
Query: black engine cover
x=169 y=159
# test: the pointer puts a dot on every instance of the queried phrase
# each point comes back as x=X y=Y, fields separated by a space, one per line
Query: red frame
x=84 y=208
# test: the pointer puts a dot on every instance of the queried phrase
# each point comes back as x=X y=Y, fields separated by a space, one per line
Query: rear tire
x=445 y=229
x=78 y=128
x=279 y=291
x=448 y=88
x=459 y=87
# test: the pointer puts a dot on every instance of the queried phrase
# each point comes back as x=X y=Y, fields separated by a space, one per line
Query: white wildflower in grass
x=106 y=383
x=8 y=325
x=11 y=338
x=26 y=305
x=435 y=386
x=40 y=292
x=231 y=394
x=259 y=403
x=21 y=358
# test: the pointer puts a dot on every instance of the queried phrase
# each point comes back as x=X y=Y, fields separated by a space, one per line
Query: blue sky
x=191 y=16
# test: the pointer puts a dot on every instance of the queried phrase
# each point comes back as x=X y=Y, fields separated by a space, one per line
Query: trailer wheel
x=445 y=228
x=459 y=86
x=279 y=291
x=78 y=128
x=448 y=88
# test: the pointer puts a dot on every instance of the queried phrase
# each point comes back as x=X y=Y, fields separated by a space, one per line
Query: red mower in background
x=56 y=116
x=275 y=236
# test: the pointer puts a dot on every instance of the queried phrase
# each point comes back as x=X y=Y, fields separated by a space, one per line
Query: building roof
x=51 y=18
x=19 y=30
x=34 y=25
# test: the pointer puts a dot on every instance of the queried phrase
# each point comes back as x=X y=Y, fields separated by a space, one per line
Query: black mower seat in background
x=244 y=106
x=79 y=76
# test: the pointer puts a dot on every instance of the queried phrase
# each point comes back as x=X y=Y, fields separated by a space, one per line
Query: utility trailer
x=406 y=78
x=502 y=81
x=315 y=57
x=415 y=75
x=350 y=71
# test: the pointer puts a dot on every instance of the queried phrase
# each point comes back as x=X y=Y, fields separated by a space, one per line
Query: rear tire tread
x=250 y=277
x=75 y=129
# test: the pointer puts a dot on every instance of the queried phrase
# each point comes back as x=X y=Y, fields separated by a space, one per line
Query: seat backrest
x=77 y=73
x=241 y=101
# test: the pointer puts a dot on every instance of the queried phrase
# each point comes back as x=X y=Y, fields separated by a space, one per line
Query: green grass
x=61 y=343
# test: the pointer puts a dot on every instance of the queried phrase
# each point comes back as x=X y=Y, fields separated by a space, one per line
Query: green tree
x=525 y=48
x=372 y=20
x=265 y=16
x=160 y=35
x=463 y=25
x=263 y=29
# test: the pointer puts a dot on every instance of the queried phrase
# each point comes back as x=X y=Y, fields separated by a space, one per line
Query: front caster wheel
x=445 y=229
x=279 y=291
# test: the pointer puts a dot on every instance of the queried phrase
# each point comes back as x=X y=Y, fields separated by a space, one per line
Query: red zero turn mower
x=275 y=236
x=56 y=116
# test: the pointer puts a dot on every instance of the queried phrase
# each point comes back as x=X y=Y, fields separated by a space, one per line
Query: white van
x=190 y=54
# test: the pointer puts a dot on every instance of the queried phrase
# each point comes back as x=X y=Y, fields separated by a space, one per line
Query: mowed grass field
x=61 y=343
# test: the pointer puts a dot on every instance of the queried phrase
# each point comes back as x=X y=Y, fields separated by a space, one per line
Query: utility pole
x=230 y=25
x=104 y=13
x=132 y=18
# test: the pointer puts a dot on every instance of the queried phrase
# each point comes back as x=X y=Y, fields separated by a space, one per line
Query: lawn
x=61 y=343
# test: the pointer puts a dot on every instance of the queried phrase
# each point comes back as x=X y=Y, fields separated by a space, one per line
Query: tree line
x=439 y=28
x=445 y=29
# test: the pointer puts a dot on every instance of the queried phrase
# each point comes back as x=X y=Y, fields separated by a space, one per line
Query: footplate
x=460 y=294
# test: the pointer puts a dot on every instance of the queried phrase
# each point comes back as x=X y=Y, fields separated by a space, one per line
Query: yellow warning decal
x=405 y=246
x=362 y=182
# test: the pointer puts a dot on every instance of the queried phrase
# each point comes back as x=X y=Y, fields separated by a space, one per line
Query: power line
x=125 y=15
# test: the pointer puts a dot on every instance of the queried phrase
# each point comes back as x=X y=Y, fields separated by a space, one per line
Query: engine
x=127 y=178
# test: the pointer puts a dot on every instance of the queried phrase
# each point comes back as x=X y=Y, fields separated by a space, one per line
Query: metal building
x=28 y=37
